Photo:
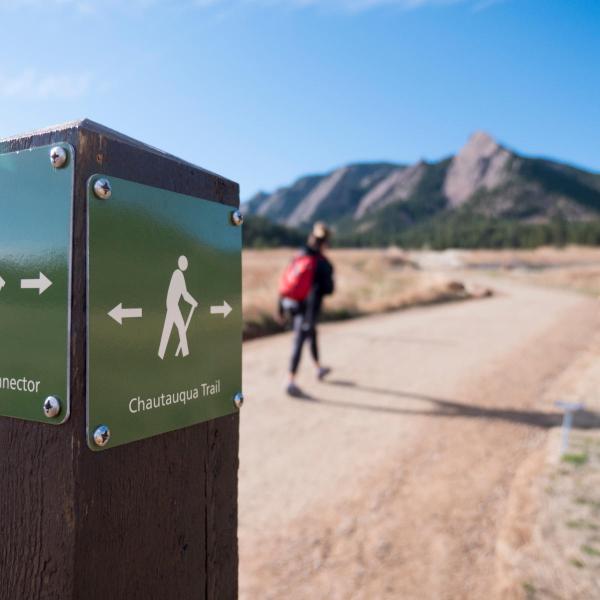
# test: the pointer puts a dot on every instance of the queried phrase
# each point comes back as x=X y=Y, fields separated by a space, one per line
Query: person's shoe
x=322 y=372
x=293 y=390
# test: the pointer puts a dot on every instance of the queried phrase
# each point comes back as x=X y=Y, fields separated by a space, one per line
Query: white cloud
x=85 y=7
x=89 y=6
x=30 y=84
x=351 y=6
x=342 y=5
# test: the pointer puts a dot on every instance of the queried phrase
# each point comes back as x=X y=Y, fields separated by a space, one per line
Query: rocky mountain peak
x=480 y=143
x=384 y=199
x=480 y=164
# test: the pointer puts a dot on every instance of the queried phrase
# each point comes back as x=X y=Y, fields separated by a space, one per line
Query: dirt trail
x=392 y=480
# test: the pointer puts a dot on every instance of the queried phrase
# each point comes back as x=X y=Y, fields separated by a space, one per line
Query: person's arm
x=186 y=295
x=190 y=299
x=322 y=286
x=324 y=277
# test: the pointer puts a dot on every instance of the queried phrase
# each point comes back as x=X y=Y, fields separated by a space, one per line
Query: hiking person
x=174 y=318
x=303 y=285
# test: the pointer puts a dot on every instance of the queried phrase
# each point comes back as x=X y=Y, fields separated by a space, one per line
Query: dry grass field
x=367 y=282
x=539 y=258
x=373 y=281
x=574 y=267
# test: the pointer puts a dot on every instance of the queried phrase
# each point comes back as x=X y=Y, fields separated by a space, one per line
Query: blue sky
x=263 y=91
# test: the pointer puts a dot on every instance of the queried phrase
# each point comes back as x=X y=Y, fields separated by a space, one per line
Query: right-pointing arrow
x=118 y=313
x=224 y=310
x=2 y=283
x=42 y=283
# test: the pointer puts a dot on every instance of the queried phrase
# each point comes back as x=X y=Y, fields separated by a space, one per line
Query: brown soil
x=393 y=480
x=549 y=542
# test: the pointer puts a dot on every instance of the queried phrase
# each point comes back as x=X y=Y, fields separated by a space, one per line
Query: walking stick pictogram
x=187 y=324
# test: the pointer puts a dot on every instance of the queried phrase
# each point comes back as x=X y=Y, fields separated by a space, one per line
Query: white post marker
x=223 y=309
x=569 y=408
x=42 y=283
x=118 y=313
x=2 y=283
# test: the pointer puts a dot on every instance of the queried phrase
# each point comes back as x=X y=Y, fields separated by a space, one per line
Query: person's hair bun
x=320 y=231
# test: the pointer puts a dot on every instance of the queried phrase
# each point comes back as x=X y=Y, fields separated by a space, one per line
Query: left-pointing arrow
x=42 y=283
x=118 y=313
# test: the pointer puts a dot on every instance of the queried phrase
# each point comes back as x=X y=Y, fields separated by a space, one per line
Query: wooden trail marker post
x=118 y=457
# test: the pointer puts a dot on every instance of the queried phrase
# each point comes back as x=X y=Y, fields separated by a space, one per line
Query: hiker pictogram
x=174 y=317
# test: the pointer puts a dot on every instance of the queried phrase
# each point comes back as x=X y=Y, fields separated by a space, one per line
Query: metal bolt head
x=58 y=157
x=238 y=400
x=237 y=218
x=51 y=407
x=101 y=436
x=103 y=189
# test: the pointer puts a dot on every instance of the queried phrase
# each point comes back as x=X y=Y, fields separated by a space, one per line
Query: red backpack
x=297 y=279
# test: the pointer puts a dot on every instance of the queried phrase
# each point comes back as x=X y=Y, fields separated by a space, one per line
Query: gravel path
x=391 y=480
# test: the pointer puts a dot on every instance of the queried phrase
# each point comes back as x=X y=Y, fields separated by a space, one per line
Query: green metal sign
x=36 y=188
x=164 y=311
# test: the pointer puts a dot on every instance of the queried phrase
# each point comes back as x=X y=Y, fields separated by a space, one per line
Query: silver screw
x=237 y=218
x=51 y=407
x=238 y=400
x=58 y=157
x=103 y=189
x=101 y=436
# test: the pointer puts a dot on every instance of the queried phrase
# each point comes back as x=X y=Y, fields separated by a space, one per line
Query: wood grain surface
x=156 y=519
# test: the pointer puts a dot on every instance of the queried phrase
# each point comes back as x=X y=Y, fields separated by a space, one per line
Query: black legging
x=303 y=331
